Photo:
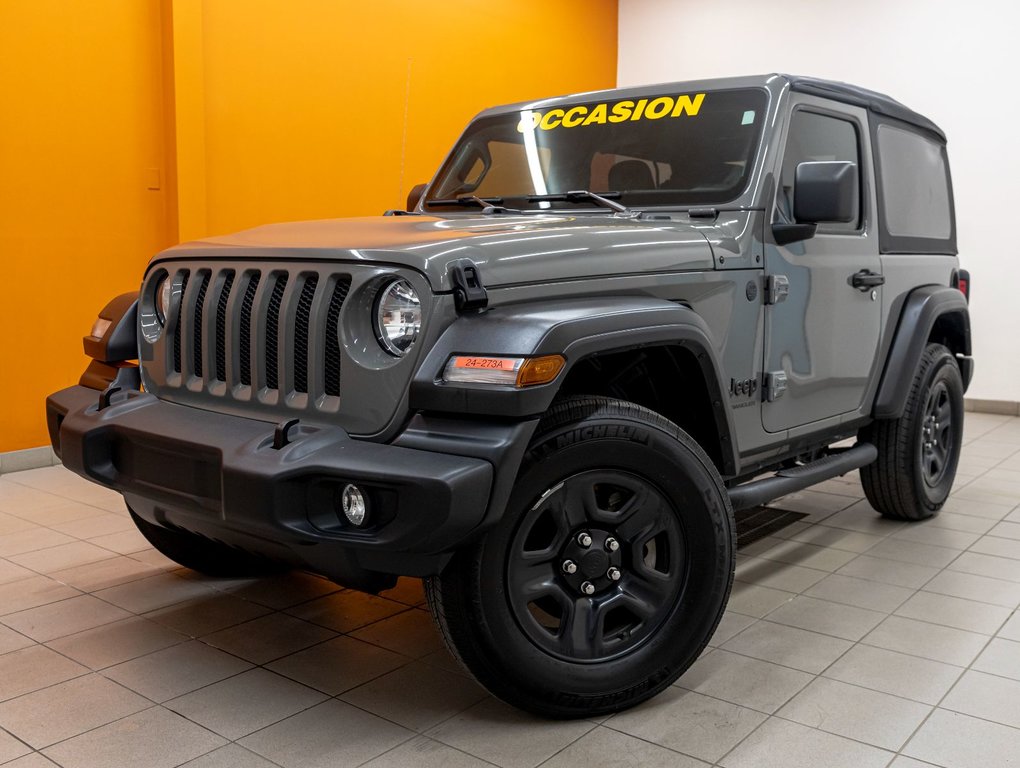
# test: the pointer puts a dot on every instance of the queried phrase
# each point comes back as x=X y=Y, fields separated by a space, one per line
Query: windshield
x=674 y=149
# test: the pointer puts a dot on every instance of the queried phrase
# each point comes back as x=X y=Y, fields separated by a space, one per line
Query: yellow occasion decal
x=617 y=112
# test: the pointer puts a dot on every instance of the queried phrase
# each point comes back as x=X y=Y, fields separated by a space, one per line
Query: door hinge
x=773 y=386
x=468 y=290
x=777 y=288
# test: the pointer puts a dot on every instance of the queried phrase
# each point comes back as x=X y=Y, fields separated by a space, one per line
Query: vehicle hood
x=508 y=249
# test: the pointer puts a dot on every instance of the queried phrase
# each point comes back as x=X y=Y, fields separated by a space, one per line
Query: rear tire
x=204 y=555
x=636 y=508
x=918 y=453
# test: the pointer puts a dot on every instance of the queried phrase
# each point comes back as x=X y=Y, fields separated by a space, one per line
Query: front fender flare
x=574 y=328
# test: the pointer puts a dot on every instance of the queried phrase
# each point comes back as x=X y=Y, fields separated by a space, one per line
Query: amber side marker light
x=505 y=371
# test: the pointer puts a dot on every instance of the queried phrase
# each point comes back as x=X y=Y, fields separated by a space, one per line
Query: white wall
x=957 y=63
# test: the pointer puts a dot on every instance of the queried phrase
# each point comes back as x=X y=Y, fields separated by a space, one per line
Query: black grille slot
x=273 y=332
x=304 y=310
x=245 y=327
x=332 y=356
x=177 y=327
x=221 y=327
x=197 y=331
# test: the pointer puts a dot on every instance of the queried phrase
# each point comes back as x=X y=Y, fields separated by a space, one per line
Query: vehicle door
x=822 y=334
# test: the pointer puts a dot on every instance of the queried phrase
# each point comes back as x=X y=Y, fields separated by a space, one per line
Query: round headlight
x=163 y=294
x=397 y=317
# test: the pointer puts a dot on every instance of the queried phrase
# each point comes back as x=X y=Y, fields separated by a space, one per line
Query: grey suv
x=608 y=322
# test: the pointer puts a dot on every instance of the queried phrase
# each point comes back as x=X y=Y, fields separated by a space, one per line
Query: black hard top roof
x=862 y=97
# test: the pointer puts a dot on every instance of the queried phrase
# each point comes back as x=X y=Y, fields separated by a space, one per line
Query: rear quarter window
x=915 y=192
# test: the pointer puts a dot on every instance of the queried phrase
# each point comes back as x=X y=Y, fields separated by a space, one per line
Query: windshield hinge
x=468 y=291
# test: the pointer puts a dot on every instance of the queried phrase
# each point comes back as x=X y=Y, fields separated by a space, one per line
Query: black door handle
x=866 y=279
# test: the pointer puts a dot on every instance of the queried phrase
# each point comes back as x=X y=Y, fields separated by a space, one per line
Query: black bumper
x=221 y=477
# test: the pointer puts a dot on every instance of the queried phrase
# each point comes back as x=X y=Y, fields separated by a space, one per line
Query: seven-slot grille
x=240 y=331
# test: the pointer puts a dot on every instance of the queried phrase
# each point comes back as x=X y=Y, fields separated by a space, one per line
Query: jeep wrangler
x=609 y=321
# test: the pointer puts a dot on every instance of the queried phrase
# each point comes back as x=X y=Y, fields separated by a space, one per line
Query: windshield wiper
x=579 y=195
x=490 y=202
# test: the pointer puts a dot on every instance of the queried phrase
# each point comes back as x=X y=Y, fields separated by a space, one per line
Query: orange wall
x=254 y=111
x=81 y=134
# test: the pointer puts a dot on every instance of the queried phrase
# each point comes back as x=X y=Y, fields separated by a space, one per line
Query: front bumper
x=220 y=476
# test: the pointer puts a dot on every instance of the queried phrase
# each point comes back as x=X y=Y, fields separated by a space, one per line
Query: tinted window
x=815 y=137
x=914 y=185
x=675 y=148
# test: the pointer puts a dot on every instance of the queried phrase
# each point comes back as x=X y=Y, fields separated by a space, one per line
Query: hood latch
x=468 y=291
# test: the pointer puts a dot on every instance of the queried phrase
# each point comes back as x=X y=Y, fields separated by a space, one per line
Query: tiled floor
x=850 y=641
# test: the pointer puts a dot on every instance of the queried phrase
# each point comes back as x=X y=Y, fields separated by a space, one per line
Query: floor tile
x=268 y=637
x=34 y=760
x=836 y=538
x=930 y=641
x=101 y=525
x=31 y=540
x=860 y=593
x=756 y=601
x=879 y=669
x=861 y=714
x=11 y=572
x=12 y=641
x=730 y=625
x=11 y=748
x=957 y=741
x=887 y=571
x=688 y=722
x=230 y=756
x=999 y=547
x=122 y=542
x=154 y=592
x=154 y=738
x=423 y=752
x=205 y=615
x=954 y=612
x=60 y=557
x=905 y=551
x=977 y=588
x=31 y=593
x=417 y=696
x=106 y=573
x=829 y=618
x=245 y=703
x=65 y=617
x=954 y=521
x=116 y=642
x=783 y=744
x=411 y=633
x=935 y=536
x=742 y=680
x=67 y=709
x=508 y=737
x=862 y=518
x=338 y=665
x=606 y=748
x=284 y=591
x=983 y=509
x=347 y=610
x=30 y=669
x=328 y=735
x=408 y=591
x=176 y=670
x=987 y=565
x=1000 y=657
x=1011 y=629
x=776 y=575
x=788 y=646
x=989 y=697
x=808 y=555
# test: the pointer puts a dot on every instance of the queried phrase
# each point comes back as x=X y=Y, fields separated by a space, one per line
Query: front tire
x=918 y=453
x=608 y=572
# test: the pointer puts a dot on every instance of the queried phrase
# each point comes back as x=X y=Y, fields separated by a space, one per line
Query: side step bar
x=786 y=481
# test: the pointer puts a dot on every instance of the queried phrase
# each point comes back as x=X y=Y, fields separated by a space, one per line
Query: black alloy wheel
x=608 y=572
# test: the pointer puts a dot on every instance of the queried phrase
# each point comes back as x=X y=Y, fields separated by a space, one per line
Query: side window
x=816 y=137
x=914 y=185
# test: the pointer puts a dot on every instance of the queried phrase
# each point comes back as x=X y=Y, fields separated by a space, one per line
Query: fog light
x=352 y=500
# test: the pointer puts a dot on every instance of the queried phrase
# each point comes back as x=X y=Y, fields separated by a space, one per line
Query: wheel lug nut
x=613 y=574
x=569 y=566
x=588 y=588
x=584 y=539
x=612 y=544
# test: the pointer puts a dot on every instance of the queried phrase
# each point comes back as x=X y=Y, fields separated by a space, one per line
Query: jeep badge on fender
x=547 y=385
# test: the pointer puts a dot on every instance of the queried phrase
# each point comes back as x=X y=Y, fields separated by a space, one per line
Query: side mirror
x=825 y=191
x=414 y=196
